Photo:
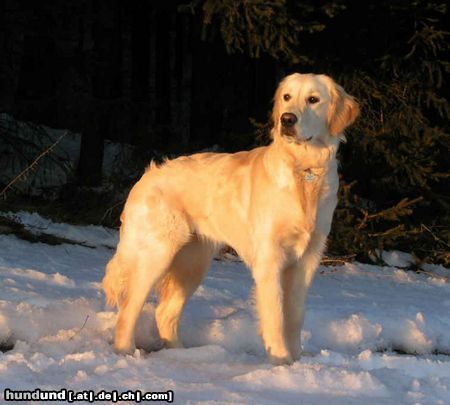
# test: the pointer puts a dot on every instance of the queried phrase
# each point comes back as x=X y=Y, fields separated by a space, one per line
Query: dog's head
x=311 y=109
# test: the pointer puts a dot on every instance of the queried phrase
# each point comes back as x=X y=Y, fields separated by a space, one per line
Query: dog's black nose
x=288 y=119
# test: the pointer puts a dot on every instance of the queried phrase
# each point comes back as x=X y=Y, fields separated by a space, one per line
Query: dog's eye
x=313 y=100
x=286 y=97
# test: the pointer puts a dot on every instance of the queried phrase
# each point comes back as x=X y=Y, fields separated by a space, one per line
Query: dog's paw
x=124 y=349
x=278 y=359
x=296 y=353
x=173 y=344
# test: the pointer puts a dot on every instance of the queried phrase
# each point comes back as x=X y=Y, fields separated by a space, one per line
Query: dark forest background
x=175 y=77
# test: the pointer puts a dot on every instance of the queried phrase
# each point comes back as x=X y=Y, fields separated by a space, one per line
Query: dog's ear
x=275 y=117
x=343 y=110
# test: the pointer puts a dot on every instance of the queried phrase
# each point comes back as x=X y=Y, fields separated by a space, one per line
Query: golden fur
x=273 y=205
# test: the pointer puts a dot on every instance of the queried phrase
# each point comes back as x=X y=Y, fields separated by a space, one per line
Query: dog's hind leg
x=144 y=271
x=148 y=245
x=180 y=282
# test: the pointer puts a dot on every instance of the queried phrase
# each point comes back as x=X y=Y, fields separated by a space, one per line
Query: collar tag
x=309 y=176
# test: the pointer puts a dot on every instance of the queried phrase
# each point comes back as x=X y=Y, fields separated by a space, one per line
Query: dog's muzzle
x=288 y=121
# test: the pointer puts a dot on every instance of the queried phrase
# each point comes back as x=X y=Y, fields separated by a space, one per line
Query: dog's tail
x=114 y=282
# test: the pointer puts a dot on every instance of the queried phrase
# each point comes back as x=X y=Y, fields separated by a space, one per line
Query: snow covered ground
x=372 y=334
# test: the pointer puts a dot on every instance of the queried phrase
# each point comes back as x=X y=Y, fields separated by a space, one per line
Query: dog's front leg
x=296 y=282
x=295 y=290
x=269 y=300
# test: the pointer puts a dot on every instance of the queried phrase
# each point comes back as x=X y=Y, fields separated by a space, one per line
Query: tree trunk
x=91 y=153
x=184 y=63
x=12 y=22
x=106 y=90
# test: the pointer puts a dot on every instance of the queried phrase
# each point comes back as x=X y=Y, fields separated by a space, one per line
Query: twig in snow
x=30 y=167
x=79 y=331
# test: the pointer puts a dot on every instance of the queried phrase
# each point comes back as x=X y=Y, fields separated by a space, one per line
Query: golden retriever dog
x=273 y=205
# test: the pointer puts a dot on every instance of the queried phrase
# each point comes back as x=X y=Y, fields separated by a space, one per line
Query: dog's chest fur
x=314 y=200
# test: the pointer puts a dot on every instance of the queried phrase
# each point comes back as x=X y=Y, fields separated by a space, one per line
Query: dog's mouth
x=292 y=136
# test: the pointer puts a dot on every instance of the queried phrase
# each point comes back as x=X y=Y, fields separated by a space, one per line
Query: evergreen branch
x=436 y=238
x=391 y=213
x=392 y=232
